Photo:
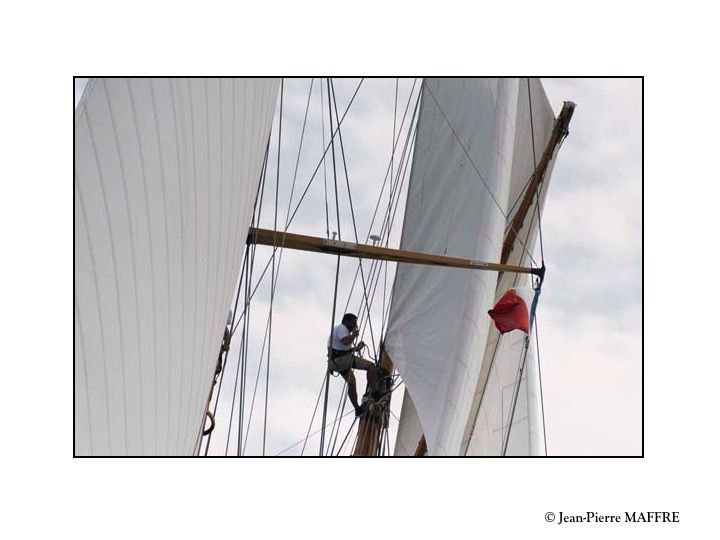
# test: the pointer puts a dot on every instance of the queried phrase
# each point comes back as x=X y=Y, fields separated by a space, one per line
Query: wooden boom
x=301 y=242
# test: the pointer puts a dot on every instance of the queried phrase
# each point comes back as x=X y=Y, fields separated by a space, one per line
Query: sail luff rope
x=472 y=162
x=248 y=275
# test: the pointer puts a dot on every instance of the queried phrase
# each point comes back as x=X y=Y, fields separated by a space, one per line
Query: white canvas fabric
x=499 y=364
x=438 y=323
x=410 y=430
x=495 y=414
x=166 y=173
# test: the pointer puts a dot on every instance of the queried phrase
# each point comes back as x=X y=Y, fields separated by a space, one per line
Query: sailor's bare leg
x=352 y=390
x=372 y=375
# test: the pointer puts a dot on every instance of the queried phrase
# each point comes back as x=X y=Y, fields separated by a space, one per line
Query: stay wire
x=337 y=277
x=392 y=157
x=516 y=391
x=273 y=276
x=347 y=435
x=312 y=418
x=338 y=415
x=322 y=121
x=542 y=400
x=322 y=158
x=311 y=435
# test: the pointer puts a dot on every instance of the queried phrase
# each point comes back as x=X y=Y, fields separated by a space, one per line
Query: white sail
x=490 y=414
x=166 y=173
x=409 y=430
x=456 y=205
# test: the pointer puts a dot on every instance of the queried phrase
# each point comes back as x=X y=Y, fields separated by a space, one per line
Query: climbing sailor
x=342 y=360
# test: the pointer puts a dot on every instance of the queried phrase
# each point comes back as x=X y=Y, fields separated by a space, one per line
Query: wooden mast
x=375 y=419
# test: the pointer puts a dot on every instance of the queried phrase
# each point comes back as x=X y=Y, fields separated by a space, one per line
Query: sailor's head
x=350 y=321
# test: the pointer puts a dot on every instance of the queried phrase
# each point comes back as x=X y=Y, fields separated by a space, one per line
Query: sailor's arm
x=347 y=340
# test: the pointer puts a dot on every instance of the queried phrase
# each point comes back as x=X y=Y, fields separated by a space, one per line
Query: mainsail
x=472 y=163
x=166 y=173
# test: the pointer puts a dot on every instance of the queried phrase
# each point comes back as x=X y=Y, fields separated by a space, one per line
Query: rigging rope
x=307 y=187
x=312 y=418
x=542 y=401
x=337 y=277
x=382 y=189
x=401 y=179
x=322 y=122
x=248 y=275
x=516 y=390
x=273 y=275
x=311 y=435
x=352 y=210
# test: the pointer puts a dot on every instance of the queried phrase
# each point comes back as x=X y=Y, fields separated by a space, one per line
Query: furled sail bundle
x=472 y=163
x=166 y=173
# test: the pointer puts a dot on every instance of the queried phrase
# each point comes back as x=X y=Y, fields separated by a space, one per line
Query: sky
x=590 y=314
